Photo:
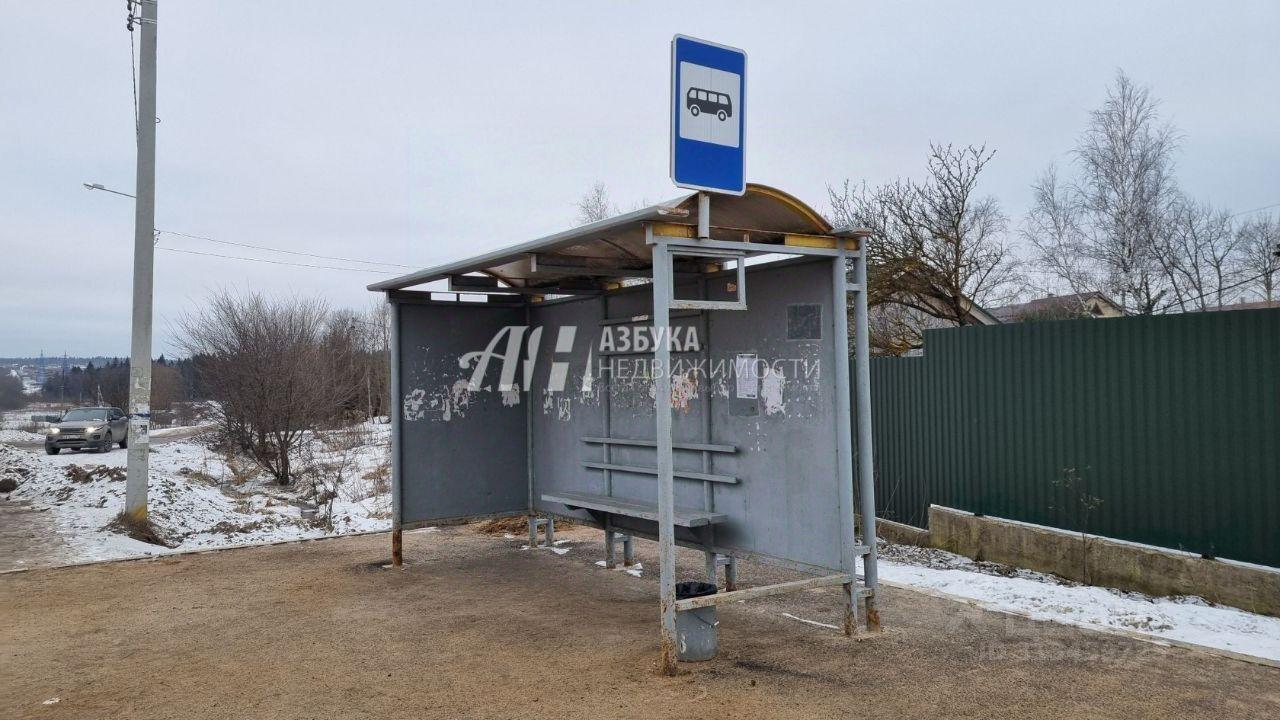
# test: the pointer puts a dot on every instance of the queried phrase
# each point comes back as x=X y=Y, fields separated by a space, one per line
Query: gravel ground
x=475 y=627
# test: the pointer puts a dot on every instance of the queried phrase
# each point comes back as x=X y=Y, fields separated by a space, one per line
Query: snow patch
x=1044 y=597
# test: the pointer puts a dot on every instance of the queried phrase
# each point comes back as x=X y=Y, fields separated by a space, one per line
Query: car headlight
x=95 y=430
x=54 y=431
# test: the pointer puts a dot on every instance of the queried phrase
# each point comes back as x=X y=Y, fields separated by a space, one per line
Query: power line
x=287 y=252
x=1246 y=281
x=276 y=262
x=1264 y=207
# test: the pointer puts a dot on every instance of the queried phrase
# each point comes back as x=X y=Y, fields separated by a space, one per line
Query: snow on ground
x=200 y=498
x=16 y=426
x=8 y=435
x=1046 y=597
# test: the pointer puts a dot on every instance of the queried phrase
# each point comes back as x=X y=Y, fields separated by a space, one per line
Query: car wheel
x=695 y=110
x=722 y=116
x=124 y=441
x=107 y=442
x=52 y=451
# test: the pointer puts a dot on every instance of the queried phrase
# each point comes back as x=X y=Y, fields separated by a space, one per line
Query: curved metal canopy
x=615 y=247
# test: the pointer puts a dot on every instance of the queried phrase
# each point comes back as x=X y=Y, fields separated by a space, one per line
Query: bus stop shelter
x=680 y=373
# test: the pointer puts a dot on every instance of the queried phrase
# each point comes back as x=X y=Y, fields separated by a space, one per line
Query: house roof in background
x=1257 y=305
x=1049 y=305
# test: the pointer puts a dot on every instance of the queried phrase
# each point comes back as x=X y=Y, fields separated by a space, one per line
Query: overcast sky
x=416 y=132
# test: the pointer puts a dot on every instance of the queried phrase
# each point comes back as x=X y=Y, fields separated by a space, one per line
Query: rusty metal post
x=396 y=409
x=610 y=553
x=666 y=468
x=844 y=433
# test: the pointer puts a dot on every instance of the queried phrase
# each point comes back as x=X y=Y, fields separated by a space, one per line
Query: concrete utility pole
x=144 y=221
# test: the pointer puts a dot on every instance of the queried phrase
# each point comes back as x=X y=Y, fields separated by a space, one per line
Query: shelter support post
x=704 y=215
x=662 y=435
x=844 y=435
x=866 y=464
x=397 y=514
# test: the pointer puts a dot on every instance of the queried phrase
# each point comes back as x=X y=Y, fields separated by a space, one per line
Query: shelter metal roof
x=615 y=247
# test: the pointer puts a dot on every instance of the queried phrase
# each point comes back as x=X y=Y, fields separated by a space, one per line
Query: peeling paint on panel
x=413 y=404
x=684 y=390
x=511 y=398
x=771 y=387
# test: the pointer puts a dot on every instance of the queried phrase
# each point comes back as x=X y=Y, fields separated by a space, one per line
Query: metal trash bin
x=696 y=629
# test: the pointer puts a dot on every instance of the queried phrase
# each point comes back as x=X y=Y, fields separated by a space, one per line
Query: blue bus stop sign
x=708 y=102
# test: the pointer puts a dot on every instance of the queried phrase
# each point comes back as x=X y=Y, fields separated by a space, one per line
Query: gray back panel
x=462 y=452
x=786 y=502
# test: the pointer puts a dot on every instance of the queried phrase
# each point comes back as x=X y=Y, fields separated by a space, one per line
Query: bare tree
x=1103 y=231
x=1053 y=227
x=1200 y=256
x=362 y=343
x=266 y=364
x=595 y=205
x=940 y=247
x=1260 y=255
x=12 y=396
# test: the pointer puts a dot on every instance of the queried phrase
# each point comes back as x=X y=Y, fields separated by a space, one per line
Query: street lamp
x=100 y=186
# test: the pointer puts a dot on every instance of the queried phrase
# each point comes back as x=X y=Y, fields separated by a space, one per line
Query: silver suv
x=96 y=428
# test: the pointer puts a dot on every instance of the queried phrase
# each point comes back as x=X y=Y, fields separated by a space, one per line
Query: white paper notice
x=748 y=382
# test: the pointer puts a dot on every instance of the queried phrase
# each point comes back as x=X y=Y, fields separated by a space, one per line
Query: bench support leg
x=731 y=574
x=549 y=528
x=611 y=540
x=712 y=575
x=397 y=547
x=850 y=609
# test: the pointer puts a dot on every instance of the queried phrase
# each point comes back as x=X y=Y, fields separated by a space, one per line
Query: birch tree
x=1102 y=230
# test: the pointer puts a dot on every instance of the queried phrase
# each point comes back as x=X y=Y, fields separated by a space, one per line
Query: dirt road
x=28 y=538
x=160 y=436
x=474 y=627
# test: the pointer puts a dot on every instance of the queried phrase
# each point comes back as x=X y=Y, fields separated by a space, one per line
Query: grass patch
x=142 y=530
x=77 y=474
x=515 y=524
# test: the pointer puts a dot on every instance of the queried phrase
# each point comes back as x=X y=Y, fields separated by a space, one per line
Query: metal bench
x=684 y=517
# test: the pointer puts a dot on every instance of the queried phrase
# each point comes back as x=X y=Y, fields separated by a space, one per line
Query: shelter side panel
x=462 y=434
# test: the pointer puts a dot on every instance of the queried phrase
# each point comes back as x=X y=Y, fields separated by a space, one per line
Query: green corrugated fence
x=1160 y=430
